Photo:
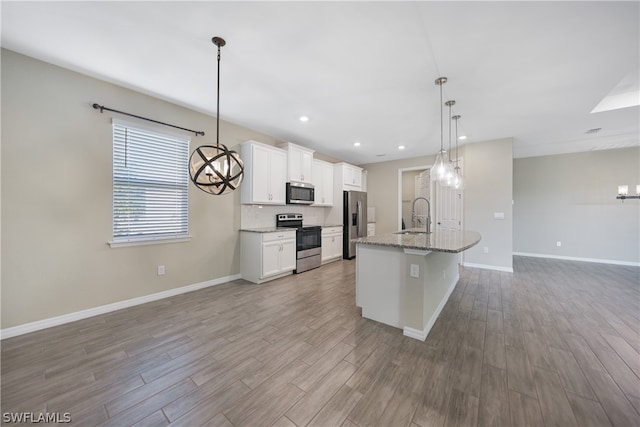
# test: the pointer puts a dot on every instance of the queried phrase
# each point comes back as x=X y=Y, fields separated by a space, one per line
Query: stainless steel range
x=308 y=241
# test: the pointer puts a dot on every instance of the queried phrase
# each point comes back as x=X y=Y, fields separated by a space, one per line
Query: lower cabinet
x=331 y=244
x=267 y=256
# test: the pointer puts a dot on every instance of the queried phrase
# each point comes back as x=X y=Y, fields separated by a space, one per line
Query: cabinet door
x=351 y=177
x=357 y=177
x=327 y=247
x=277 y=177
x=317 y=182
x=327 y=185
x=306 y=168
x=271 y=252
x=294 y=166
x=287 y=255
x=260 y=175
x=337 y=246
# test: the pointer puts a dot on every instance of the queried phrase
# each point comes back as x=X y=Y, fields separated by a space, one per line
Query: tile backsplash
x=254 y=216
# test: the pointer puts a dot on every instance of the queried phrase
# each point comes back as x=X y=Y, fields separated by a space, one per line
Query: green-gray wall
x=570 y=198
x=488 y=189
x=56 y=176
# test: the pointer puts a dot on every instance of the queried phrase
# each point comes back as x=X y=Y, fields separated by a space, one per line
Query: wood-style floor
x=555 y=343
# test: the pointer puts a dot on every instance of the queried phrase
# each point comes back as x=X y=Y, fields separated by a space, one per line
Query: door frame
x=400 y=171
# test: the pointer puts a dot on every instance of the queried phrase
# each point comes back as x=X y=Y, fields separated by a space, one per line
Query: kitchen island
x=404 y=279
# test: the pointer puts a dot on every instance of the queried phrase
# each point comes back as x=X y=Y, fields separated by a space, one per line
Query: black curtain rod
x=102 y=108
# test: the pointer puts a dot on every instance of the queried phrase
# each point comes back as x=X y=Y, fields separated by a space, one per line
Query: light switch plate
x=498 y=215
x=415 y=271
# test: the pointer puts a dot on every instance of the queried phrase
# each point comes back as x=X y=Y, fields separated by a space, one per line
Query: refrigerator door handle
x=359 y=213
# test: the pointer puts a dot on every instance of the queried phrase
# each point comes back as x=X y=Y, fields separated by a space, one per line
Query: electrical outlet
x=415 y=271
x=160 y=270
x=558 y=243
x=485 y=249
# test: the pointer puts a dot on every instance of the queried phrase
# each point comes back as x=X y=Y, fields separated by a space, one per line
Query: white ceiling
x=362 y=71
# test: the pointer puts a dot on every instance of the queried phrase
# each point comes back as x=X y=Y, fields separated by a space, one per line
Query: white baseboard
x=422 y=334
x=78 y=315
x=573 y=258
x=488 y=267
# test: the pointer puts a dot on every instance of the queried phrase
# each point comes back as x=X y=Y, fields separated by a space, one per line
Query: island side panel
x=443 y=277
x=380 y=283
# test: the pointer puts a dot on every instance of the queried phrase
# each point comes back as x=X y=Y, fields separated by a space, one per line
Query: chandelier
x=216 y=169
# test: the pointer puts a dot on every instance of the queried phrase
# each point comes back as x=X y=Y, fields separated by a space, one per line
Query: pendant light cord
x=441 y=125
x=457 y=157
x=450 y=105
x=218 y=103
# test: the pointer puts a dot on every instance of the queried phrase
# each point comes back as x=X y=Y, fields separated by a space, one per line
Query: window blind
x=150 y=185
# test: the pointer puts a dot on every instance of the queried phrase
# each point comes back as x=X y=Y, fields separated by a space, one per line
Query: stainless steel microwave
x=300 y=193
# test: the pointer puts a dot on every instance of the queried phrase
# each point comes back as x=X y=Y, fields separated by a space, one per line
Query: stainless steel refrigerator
x=354 y=221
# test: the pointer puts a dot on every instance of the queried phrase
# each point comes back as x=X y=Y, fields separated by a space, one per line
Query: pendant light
x=458 y=181
x=448 y=178
x=441 y=165
x=216 y=169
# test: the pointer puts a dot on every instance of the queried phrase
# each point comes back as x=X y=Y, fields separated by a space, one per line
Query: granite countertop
x=438 y=241
x=273 y=229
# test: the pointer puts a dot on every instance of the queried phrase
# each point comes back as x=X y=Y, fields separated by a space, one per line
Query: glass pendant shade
x=457 y=181
x=623 y=190
x=216 y=169
x=441 y=167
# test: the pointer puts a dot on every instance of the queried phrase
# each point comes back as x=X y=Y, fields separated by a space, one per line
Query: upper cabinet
x=323 y=183
x=264 y=174
x=299 y=163
x=349 y=175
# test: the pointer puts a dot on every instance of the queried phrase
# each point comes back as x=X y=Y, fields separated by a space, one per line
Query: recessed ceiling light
x=462 y=137
x=401 y=147
x=356 y=144
x=304 y=118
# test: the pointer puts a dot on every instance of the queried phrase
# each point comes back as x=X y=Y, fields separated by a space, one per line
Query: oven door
x=308 y=238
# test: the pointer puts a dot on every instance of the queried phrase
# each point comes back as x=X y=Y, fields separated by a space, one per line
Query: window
x=150 y=185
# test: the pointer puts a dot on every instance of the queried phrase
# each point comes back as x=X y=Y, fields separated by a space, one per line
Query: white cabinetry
x=264 y=174
x=323 y=183
x=349 y=176
x=267 y=256
x=331 y=244
x=299 y=163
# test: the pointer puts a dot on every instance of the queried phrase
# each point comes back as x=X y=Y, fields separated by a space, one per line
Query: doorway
x=446 y=203
x=412 y=181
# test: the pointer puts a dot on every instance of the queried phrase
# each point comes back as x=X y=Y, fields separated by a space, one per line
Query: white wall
x=571 y=198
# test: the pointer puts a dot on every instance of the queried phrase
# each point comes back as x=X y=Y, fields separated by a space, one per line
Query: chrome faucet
x=413 y=212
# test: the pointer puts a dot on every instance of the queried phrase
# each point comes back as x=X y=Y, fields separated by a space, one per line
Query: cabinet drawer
x=332 y=230
x=280 y=235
